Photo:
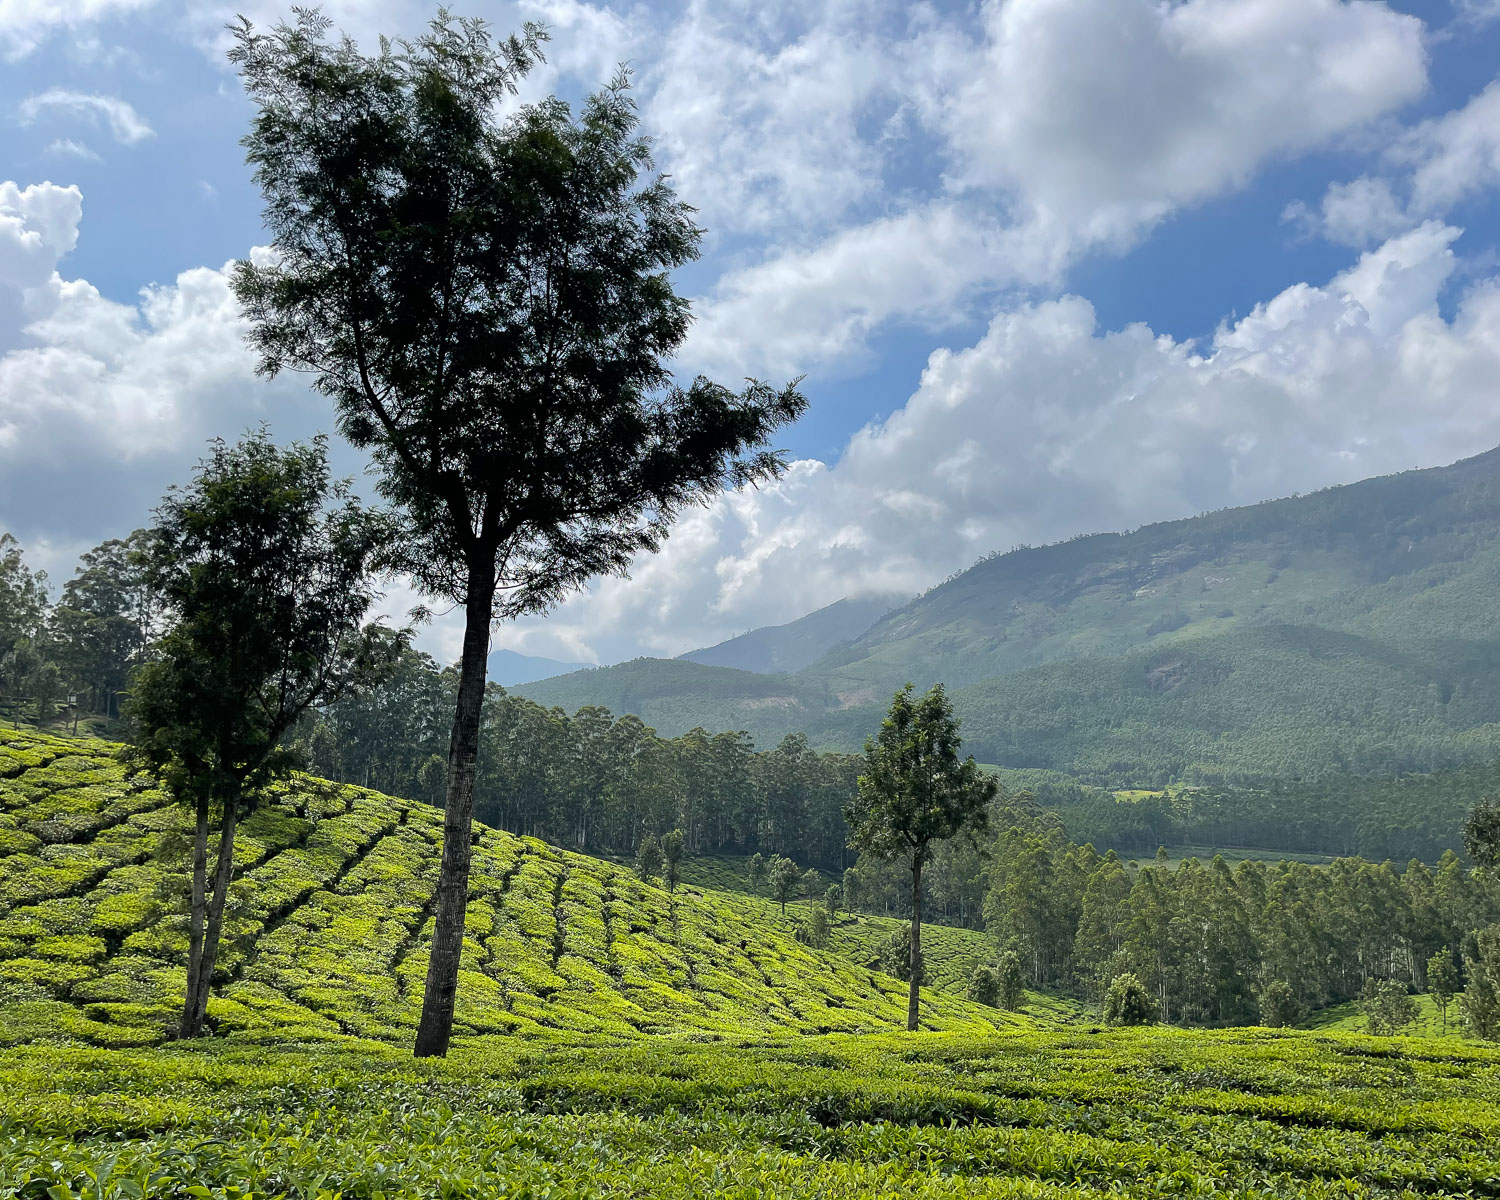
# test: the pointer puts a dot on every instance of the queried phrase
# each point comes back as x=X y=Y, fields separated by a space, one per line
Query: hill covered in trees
x=330 y=913
x=1351 y=630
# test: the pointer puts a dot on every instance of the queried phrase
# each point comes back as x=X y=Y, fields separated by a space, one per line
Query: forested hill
x=1353 y=628
x=798 y=643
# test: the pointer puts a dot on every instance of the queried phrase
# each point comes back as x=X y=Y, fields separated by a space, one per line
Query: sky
x=1047 y=267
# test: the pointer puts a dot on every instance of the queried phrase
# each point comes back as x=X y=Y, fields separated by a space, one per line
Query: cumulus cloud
x=1426 y=172
x=1068 y=126
x=127 y=125
x=111 y=398
x=1049 y=426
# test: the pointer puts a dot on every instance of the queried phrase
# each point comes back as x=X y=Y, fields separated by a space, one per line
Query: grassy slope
x=1347 y=1018
x=328 y=923
x=1029 y=1113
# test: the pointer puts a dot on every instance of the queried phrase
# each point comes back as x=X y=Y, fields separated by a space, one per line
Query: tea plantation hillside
x=328 y=921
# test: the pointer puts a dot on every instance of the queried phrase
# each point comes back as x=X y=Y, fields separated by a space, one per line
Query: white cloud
x=85 y=378
x=25 y=23
x=69 y=148
x=1453 y=156
x=1103 y=116
x=757 y=110
x=127 y=125
x=1048 y=426
x=1068 y=126
x=1425 y=172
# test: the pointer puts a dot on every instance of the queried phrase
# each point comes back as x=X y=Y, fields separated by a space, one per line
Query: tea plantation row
x=329 y=919
x=1026 y=1113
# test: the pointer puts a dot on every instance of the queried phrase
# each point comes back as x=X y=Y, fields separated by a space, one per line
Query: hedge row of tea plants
x=1025 y=1113
x=327 y=926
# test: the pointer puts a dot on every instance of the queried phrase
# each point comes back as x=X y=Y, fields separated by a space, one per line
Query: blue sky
x=1049 y=266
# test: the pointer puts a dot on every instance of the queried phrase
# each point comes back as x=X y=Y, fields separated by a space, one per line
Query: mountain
x=508 y=668
x=1351 y=629
x=790 y=647
x=328 y=930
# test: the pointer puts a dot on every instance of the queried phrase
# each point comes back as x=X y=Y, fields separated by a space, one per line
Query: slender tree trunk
x=223 y=872
x=436 y=1028
x=914 y=995
x=186 y=1027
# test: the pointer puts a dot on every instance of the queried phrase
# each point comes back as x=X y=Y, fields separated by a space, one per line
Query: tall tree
x=487 y=300
x=262 y=568
x=915 y=791
x=23 y=604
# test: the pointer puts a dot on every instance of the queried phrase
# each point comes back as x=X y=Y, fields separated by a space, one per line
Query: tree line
x=589 y=781
x=1217 y=945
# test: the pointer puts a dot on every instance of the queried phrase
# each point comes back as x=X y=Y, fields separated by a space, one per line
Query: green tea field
x=614 y=1039
x=329 y=916
x=1025 y=1113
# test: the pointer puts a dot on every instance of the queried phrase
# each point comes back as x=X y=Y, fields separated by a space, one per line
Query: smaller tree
x=812 y=882
x=757 y=871
x=262 y=567
x=915 y=791
x=785 y=879
x=1482 y=833
x=1442 y=981
x=671 y=850
x=1278 y=1005
x=1480 y=1004
x=1127 y=1002
x=1387 y=1006
x=649 y=858
x=984 y=986
x=833 y=899
x=818 y=928
x=1010 y=979
x=894 y=956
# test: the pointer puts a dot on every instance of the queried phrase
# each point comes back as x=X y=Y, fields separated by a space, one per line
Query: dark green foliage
x=984 y=986
x=833 y=899
x=488 y=302
x=758 y=871
x=671 y=851
x=262 y=570
x=1443 y=981
x=915 y=791
x=1388 y=1006
x=785 y=878
x=893 y=955
x=1480 y=1003
x=1482 y=833
x=819 y=925
x=1126 y=1002
x=23 y=605
x=1278 y=1005
x=649 y=858
x=1009 y=980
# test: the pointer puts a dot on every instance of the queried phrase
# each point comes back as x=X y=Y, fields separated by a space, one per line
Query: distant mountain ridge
x=507 y=668
x=799 y=643
x=1353 y=628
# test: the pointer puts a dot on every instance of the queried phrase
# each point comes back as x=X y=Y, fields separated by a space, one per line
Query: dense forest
x=1208 y=941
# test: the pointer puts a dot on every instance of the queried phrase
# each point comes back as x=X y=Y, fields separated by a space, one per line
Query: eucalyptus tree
x=486 y=297
x=262 y=569
x=915 y=791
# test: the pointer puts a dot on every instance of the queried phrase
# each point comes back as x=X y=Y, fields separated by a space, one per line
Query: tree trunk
x=223 y=871
x=914 y=995
x=436 y=1028
x=187 y=1027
